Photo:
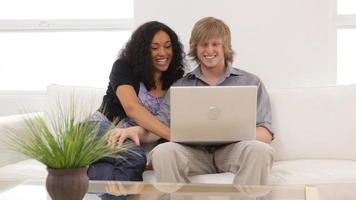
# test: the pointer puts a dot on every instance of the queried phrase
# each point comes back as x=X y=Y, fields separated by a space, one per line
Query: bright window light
x=346 y=7
x=346 y=60
x=66 y=9
x=33 y=60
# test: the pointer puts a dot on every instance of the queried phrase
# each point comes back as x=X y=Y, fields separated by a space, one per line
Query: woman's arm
x=140 y=114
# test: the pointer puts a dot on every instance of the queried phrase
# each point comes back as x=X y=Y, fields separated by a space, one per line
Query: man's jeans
x=128 y=169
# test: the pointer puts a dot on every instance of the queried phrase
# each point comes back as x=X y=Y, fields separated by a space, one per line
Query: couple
x=137 y=96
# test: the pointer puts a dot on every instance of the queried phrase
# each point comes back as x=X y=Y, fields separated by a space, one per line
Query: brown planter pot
x=67 y=184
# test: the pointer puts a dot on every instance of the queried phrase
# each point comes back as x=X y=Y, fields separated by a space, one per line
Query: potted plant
x=66 y=146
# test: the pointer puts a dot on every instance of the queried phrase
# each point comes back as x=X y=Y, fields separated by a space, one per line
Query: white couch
x=315 y=139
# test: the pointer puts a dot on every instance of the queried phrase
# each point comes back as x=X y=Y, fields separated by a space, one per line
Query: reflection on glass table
x=180 y=191
x=114 y=190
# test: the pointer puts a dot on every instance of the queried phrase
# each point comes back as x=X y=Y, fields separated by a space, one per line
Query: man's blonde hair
x=207 y=28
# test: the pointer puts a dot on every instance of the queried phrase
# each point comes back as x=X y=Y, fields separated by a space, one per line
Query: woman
x=150 y=63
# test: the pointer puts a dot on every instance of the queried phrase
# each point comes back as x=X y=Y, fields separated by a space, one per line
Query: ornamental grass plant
x=60 y=141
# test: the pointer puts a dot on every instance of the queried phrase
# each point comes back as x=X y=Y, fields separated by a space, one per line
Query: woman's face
x=161 y=51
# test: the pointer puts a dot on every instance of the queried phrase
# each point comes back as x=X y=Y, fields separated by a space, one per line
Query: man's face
x=211 y=53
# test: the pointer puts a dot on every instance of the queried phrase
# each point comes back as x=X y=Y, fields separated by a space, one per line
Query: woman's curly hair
x=137 y=53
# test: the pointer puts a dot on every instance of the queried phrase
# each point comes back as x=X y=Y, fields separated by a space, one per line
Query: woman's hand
x=119 y=135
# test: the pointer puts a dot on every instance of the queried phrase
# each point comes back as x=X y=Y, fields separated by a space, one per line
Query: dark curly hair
x=137 y=53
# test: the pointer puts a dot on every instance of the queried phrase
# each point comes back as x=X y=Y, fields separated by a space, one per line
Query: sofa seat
x=313 y=172
x=290 y=172
x=283 y=172
x=24 y=170
x=220 y=178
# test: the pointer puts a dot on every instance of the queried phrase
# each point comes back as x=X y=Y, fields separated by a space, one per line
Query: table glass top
x=114 y=190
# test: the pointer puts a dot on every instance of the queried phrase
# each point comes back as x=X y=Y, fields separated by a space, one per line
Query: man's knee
x=259 y=150
x=165 y=150
x=169 y=155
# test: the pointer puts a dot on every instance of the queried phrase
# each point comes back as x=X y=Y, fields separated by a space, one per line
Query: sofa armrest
x=7 y=123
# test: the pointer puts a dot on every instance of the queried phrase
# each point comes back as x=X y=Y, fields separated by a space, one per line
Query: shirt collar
x=230 y=71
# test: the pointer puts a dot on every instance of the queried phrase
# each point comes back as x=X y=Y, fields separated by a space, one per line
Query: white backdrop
x=285 y=42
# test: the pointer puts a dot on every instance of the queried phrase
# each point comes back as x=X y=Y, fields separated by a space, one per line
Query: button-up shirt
x=231 y=77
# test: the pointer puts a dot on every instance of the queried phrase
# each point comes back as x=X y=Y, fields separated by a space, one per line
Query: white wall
x=285 y=42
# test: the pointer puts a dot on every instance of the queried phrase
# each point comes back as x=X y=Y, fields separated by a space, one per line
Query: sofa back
x=85 y=99
x=315 y=122
x=309 y=123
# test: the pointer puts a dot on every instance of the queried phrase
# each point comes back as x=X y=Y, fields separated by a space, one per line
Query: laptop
x=213 y=114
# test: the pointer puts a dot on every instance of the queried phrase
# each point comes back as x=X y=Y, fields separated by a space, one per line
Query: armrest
x=13 y=122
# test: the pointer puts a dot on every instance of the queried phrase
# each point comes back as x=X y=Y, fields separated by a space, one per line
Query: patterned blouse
x=150 y=102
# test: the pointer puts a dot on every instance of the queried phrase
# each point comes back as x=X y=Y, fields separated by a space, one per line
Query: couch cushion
x=221 y=178
x=86 y=99
x=289 y=173
x=313 y=172
x=7 y=125
x=283 y=172
x=314 y=123
x=23 y=170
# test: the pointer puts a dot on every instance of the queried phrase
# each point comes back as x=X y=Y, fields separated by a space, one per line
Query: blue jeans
x=107 y=168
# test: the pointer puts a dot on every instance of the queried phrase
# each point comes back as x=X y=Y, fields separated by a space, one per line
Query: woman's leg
x=130 y=168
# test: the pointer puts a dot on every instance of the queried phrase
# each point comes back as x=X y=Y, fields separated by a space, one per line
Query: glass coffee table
x=114 y=190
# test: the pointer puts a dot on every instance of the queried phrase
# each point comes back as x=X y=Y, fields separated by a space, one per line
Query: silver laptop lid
x=213 y=114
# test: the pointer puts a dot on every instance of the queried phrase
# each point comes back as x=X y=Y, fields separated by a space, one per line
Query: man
x=250 y=161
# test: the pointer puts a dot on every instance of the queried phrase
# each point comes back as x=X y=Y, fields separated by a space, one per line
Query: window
x=61 y=41
x=345 y=24
x=346 y=7
x=346 y=52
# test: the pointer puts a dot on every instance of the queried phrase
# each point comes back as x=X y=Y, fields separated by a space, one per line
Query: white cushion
x=149 y=176
x=313 y=172
x=86 y=99
x=220 y=178
x=223 y=178
x=23 y=170
x=314 y=123
x=7 y=125
x=289 y=173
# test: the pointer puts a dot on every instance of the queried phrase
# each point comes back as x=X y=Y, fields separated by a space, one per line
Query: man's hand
x=119 y=135
x=263 y=135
